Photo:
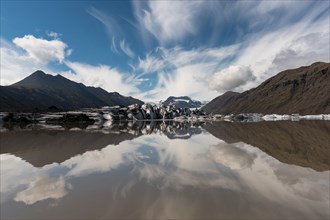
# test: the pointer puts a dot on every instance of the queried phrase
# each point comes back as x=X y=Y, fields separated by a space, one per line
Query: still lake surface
x=220 y=170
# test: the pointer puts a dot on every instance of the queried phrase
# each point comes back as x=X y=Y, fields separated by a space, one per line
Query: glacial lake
x=218 y=170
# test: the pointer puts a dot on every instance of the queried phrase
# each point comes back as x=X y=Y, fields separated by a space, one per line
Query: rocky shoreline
x=91 y=116
x=147 y=112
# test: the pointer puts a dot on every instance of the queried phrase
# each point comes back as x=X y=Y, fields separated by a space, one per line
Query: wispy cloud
x=300 y=43
x=113 y=45
x=113 y=30
x=126 y=49
x=169 y=20
x=111 y=26
x=199 y=49
x=102 y=76
x=53 y=34
x=270 y=45
x=182 y=72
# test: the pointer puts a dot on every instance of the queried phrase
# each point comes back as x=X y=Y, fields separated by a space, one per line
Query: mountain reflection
x=43 y=146
x=178 y=171
x=303 y=143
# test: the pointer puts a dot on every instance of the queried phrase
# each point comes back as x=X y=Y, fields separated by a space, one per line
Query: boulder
x=71 y=118
x=16 y=119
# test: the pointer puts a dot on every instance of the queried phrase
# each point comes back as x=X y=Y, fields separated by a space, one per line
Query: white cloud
x=294 y=45
x=182 y=72
x=272 y=40
x=126 y=49
x=200 y=72
x=169 y=20
x=230 y=79
x=182 y=81
x=149 y=64
x=304 y=50
x=41 y=50
x=173 y=21
x=103 y=76
x=15 y=64
x=53 y=34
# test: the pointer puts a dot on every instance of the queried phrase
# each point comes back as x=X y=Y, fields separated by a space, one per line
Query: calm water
x=265 y=170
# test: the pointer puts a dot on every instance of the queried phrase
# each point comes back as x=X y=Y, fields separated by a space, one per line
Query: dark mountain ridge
x=305 y=90
x=41 y=90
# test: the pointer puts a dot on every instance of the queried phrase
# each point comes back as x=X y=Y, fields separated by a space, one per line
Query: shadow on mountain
x=42 y=147
x=303 y=143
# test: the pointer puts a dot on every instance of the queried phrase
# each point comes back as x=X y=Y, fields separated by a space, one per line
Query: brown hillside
x=305 y=90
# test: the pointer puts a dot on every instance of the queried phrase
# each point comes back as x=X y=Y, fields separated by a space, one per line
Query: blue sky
x=154 y=49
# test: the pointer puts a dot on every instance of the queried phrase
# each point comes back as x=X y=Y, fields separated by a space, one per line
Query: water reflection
x=233 y=157
x=153 y=176
x=42 y=188
x=41 y=146
x=304 y=143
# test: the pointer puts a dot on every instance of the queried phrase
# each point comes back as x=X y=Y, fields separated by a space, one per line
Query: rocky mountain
x=182 y=102
x=41 y=91
x=305 y=90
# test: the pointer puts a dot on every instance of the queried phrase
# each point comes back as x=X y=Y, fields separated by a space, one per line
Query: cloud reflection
x=43 y=188
x=231 y=156
x=160 y=168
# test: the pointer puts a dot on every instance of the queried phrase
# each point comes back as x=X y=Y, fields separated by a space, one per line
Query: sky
x=154 y=49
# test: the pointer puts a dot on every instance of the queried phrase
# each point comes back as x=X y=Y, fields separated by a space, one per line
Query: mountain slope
x=305 y=90
x=182 y=102
x=40 y=90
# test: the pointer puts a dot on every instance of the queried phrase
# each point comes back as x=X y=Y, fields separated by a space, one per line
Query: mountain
x=182 y=102
x=40 y=90
x=305 y=90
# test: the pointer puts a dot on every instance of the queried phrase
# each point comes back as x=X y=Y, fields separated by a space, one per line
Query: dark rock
x=8 y=118
x=11 y=118
x=11 y=121
x=53 y=108
x=72 y=120
x=240 y=117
